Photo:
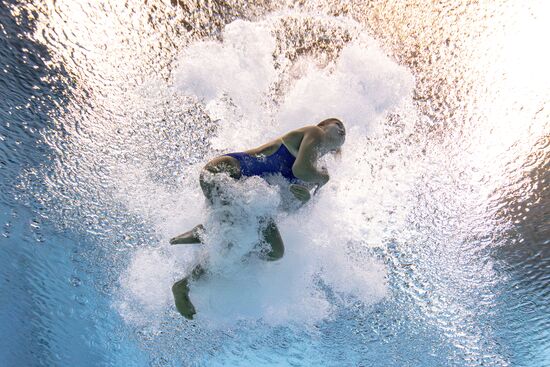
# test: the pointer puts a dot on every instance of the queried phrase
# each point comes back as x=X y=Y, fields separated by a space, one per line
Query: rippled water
x=430 y=247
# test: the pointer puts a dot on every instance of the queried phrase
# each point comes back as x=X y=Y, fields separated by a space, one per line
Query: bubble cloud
x=236 y=80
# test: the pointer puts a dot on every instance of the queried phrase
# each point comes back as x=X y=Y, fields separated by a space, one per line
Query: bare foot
x=192 y=236
x=180 y=289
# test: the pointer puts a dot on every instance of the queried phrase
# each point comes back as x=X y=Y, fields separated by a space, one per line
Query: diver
x=293 y=156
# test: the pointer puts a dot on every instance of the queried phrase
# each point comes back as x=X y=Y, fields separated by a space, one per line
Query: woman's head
x=334 y=131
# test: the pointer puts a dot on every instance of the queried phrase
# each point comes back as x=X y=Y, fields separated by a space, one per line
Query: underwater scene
x=424 y=235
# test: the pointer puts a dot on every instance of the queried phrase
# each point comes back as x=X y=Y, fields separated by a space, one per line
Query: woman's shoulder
x=291 y=140
x=294 y=138
x=301 y=132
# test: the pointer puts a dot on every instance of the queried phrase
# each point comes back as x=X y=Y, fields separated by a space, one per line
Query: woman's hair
x=331 y=121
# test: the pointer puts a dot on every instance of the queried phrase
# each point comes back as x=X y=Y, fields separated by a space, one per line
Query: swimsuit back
x=279 y=162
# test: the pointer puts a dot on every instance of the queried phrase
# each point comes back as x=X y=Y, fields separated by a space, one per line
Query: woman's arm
x=304 y=166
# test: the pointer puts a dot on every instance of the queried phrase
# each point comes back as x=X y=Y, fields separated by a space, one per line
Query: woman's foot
x=192 y=236
x=180 y=289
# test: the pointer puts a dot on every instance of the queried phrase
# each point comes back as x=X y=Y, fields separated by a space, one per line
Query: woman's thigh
x=212 y=177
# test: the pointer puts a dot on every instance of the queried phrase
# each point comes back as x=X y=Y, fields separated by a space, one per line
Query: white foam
x=323 y=239
x=242 y=68
x=145 y=285
x=363 y=86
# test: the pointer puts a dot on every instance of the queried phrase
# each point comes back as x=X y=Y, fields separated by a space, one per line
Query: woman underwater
x=293 y=156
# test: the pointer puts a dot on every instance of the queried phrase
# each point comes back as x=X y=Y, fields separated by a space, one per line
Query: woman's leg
x=211 y=188
x=180 y=289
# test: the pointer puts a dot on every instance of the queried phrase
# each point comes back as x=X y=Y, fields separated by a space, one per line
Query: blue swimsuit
x=279 y=162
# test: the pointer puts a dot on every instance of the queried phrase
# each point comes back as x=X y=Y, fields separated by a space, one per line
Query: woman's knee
x=276 y=253
x=206 y=184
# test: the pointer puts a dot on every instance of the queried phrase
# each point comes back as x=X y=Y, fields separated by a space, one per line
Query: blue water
x=428 y=248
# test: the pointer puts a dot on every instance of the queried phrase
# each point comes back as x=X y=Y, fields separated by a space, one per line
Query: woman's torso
x=275 y=157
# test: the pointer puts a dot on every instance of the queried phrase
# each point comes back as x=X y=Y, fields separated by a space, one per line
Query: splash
x=255 y=95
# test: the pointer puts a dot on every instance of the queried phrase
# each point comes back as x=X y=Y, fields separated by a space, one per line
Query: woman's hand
x=300 y=192
x=323 y=181
x=324 y=176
